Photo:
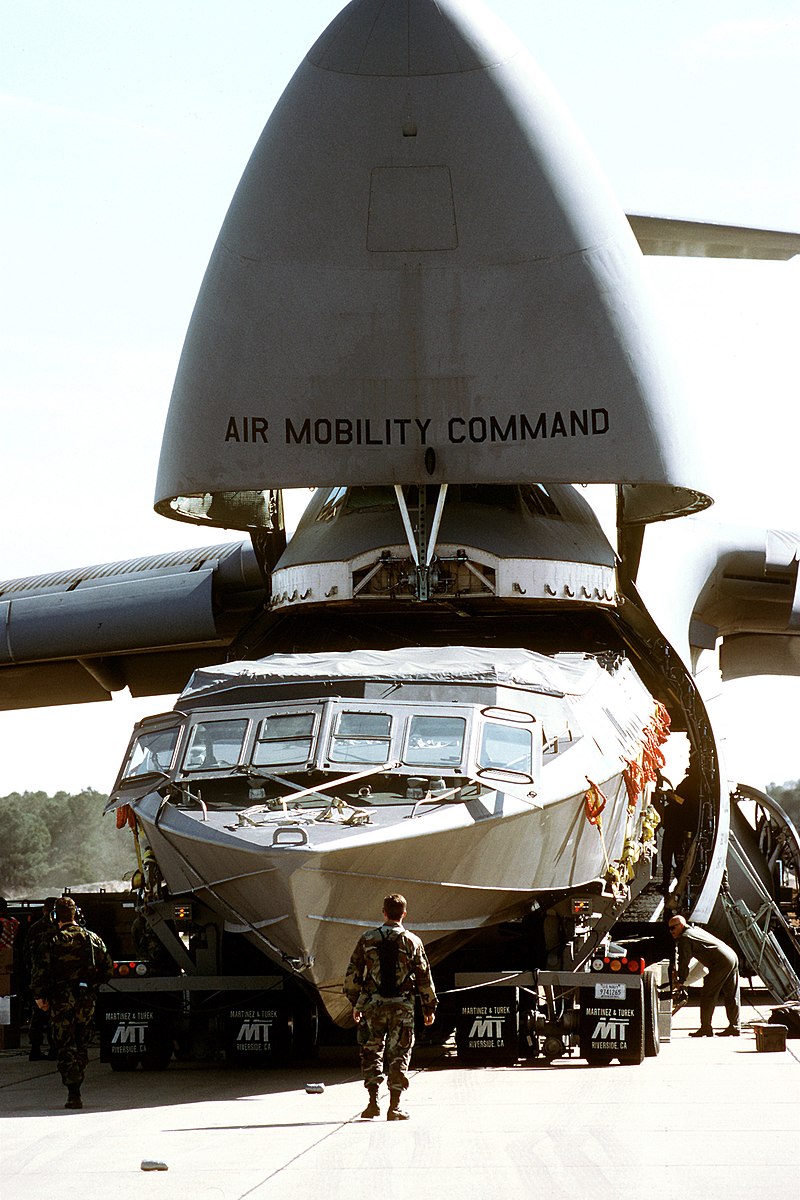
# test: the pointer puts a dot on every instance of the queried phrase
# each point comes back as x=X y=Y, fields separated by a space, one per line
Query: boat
x=292 y=793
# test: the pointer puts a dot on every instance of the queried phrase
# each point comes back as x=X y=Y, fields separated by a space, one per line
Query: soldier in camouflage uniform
x=388 y=968
x=67 y=970
x=39 y=1023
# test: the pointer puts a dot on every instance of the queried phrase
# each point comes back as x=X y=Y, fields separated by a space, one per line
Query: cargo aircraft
x=425 y=302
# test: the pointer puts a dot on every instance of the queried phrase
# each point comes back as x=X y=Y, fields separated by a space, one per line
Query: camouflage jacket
x=413 y=974
x=71 y=955
x=45 y=927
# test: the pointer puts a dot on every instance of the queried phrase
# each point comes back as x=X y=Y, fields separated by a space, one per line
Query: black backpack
x=788 y=1015
x=388 y=949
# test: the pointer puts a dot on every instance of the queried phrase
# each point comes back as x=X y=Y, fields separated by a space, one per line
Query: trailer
x=186 y=990
x=183 y=988
x=618 y=1006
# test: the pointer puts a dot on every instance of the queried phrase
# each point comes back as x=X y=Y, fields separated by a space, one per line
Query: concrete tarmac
x=707 y=1118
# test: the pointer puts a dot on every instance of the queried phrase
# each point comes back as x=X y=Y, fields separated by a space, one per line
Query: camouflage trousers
x=386 y=1038
x=71 y=1028
x=38 y=1027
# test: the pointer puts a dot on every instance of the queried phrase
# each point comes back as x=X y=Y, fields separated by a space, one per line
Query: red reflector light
x=124 y=969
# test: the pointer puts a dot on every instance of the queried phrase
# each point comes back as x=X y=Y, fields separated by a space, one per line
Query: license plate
x=609 y=991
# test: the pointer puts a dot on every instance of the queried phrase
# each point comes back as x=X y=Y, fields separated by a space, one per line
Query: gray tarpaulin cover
x=561 y=674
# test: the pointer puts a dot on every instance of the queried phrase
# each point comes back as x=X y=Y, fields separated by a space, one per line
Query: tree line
x=51 y=842
x=781 y=792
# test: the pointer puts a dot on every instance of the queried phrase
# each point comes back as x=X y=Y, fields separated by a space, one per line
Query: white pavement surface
x=705 y=1119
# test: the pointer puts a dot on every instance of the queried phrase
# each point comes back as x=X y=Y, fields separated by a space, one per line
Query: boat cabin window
x=435 y=741
x=506 y=748
x=152 y=751
x=361 y=737
x=284 y=739
x=215 y=744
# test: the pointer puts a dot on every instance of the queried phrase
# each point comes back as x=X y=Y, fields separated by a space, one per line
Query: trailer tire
x=305 y=1032
x=652 y=1037
x=157 y=1061
x=599 y=1060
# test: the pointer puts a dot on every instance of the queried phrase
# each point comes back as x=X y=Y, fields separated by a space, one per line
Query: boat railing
x=435 y=798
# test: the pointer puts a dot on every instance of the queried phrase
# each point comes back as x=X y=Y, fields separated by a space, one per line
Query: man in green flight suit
x=388 y=968
x=722 y=978
x=67 y=970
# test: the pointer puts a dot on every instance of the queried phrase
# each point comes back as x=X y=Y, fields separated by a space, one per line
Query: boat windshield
x=373 y=752
x=152 y=751
x=361 y=737
x=284 y=739
x=435 y=741
x=506 y=748
x=215 y=744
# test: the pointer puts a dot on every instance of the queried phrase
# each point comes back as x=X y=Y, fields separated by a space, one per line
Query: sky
x=124 y=130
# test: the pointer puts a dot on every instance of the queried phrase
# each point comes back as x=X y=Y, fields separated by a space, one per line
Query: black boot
x=372 y=1109
x=36 y=1054
x=74 y=1096
x=395 y=1112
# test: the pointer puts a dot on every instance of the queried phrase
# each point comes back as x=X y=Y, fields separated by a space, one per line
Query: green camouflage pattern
x=71 y=955
x=71 y=1029
x=45 y=927
x=362 y=980
x=386 y=1028
x=386 y=1039
x=67 y=970
x=38 y=1021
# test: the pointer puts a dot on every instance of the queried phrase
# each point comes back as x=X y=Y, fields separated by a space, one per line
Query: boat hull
x=304 y=892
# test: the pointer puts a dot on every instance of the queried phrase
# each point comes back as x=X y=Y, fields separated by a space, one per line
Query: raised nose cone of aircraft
x=422 y=277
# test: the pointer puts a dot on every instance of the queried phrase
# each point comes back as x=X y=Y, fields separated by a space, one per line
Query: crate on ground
x=770 y=1037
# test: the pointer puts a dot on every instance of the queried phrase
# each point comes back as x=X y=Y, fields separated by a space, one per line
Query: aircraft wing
x=708 y=580
x=76 y=636
x=751 y=600
x=701 y=239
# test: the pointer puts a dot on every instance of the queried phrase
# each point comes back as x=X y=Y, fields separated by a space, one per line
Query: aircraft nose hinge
x=421 y=543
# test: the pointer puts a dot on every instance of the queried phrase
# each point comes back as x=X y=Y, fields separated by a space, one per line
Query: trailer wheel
x=157 y=1061
x=305 y=1032
x=598 y=1060
x=652 y=1037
